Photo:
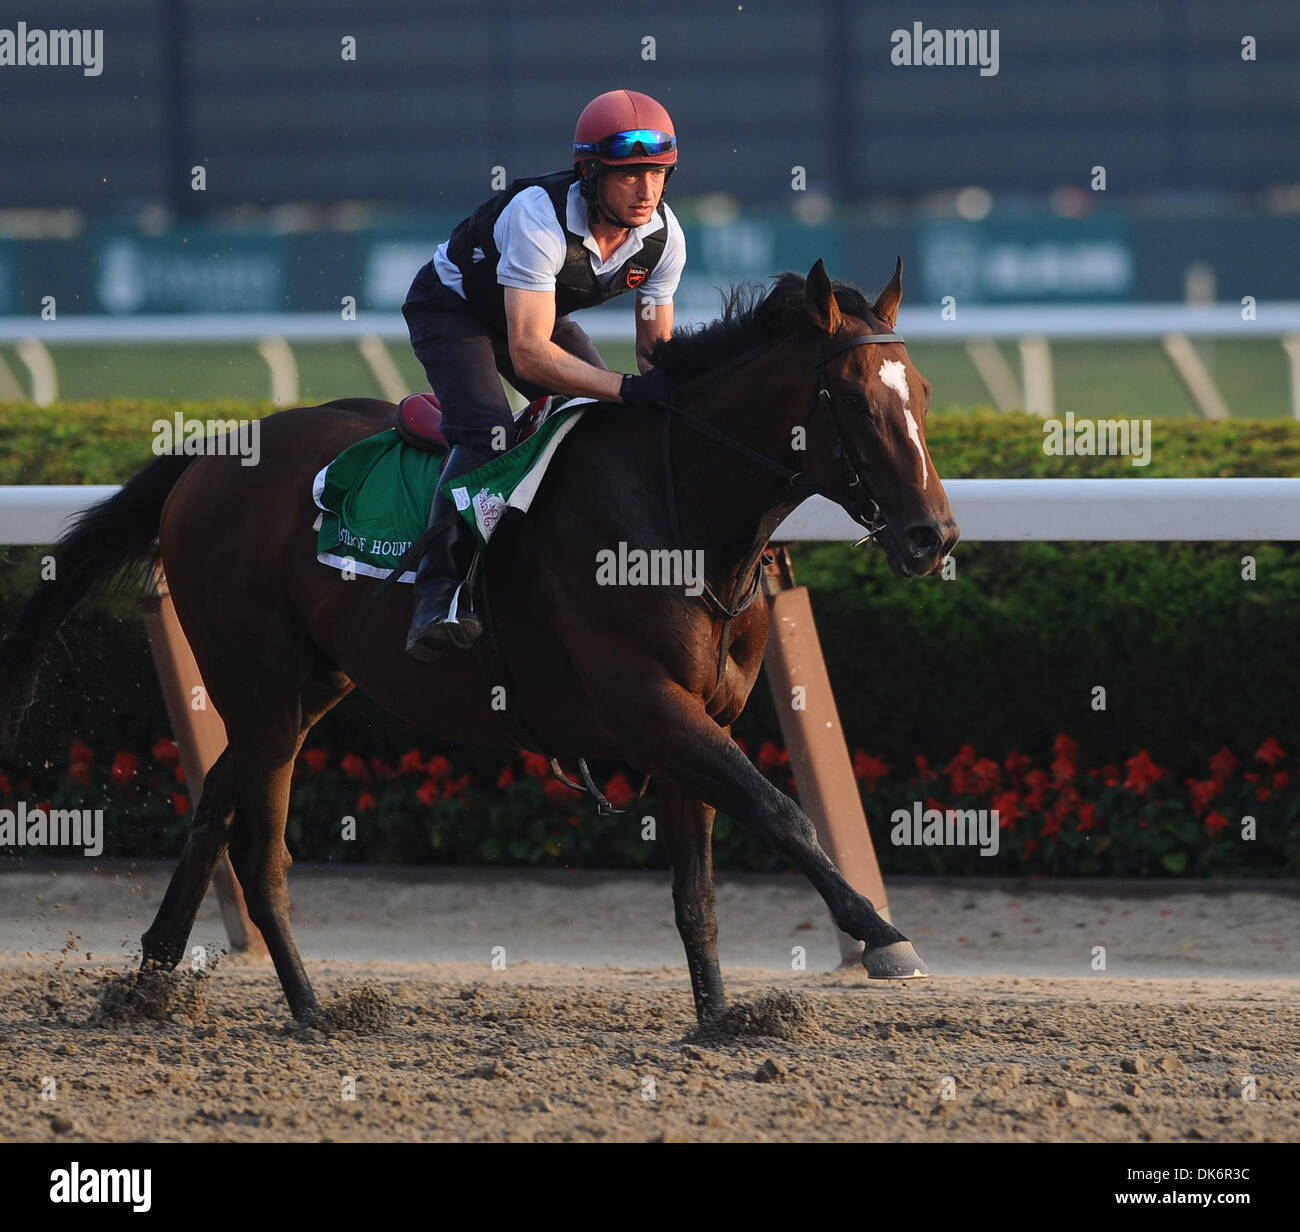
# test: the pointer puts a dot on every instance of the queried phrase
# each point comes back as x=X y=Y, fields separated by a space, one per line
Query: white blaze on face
x=893 y=374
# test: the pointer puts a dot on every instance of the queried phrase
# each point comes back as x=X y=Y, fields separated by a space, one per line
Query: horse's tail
x=97 y=549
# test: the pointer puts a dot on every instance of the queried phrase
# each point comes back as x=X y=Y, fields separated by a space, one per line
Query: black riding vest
x=576 y=285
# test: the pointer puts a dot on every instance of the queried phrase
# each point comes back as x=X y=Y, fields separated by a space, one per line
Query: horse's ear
x=887 y=301
x=820 y=298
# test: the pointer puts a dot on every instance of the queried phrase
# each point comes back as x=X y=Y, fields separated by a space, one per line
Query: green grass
x=1131 y=379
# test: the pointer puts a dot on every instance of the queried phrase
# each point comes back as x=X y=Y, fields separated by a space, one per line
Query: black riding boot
x=444 y=619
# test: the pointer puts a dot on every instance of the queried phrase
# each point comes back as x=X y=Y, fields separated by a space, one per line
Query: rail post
x=819 y=757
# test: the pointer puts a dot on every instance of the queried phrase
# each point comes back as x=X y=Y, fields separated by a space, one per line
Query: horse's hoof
x=898 y=961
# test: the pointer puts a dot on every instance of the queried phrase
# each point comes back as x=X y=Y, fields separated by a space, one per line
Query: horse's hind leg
x=264 y=760
x=265 y=747
x=688 y=827
x=164 y=943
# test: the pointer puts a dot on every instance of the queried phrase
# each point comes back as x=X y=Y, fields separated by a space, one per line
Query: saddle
x=418 y=421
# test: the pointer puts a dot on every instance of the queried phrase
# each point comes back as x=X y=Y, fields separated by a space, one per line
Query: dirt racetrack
x=549 y=1051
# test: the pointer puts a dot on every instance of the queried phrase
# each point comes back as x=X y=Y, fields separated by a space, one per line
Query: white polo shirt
x=533 y=246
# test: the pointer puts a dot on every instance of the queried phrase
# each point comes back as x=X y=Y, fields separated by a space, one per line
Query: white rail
x=1023 y=510
x=977 y=328
x=1053 y=321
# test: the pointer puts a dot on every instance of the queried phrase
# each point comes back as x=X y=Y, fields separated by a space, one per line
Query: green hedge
x=1005 y=656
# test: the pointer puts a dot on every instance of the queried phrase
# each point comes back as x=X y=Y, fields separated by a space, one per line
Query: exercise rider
x=496 y=298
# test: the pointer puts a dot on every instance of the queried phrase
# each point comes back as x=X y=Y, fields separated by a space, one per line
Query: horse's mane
x=751 y=317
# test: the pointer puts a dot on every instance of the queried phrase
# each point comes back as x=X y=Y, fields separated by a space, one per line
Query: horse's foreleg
x=164 y=943
x=688 y=828
x=675 y=740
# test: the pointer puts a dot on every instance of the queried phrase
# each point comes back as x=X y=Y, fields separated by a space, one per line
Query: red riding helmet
x=623 y=127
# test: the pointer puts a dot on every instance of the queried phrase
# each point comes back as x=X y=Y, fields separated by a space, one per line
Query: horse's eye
x=854 y=401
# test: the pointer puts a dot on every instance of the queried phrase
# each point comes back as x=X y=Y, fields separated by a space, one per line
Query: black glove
x=647 y=388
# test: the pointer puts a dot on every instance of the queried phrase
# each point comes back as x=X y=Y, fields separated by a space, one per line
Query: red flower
x=959 y=770
x=1051 y=827
x=124 y=767
x=165 y=752
x=1067 y=802
x=179 y=774
x=453 y=787
x=1281 y=780
x=506 y=777
x=1143 y=773
x=1036 y=780
x=355 y=768
x=1203 y=793
x=439 y=768
x=1270 y=752
x=412 y=762
x=1087 y=816
x=536 y=766
x=1216 y=822
x=1017 y=763
x=869 y=769
x=985 y=774
x=1263 y=793
x=618 y=791
x=366 y=802
x=771 y=758
x=1063 y=770
x=1222 y=764
x=573 y=821
x=428 y=791
x=316 y=759
x=1007 y=806
x=79 y=772
x=1063 y=746
x=181 y=803
x=81 y=751
x=1029 y=848
x=923 y=767
x=553 y=789
x=5 y=788
x=382 y=769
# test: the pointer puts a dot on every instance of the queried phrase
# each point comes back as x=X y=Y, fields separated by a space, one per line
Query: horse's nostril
x=923 y=540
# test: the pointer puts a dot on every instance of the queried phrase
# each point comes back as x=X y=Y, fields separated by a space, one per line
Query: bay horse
x=803 y=390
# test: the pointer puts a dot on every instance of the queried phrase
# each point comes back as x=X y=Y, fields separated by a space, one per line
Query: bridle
x=862 y=506
x=859 y=504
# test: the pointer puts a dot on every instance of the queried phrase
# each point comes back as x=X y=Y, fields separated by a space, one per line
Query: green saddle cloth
x=375 y=496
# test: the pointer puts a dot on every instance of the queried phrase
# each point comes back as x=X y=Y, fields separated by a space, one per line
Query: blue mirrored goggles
x=636 y=141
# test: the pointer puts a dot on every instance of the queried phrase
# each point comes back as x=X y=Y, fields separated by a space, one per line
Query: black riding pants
x=462 y=359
